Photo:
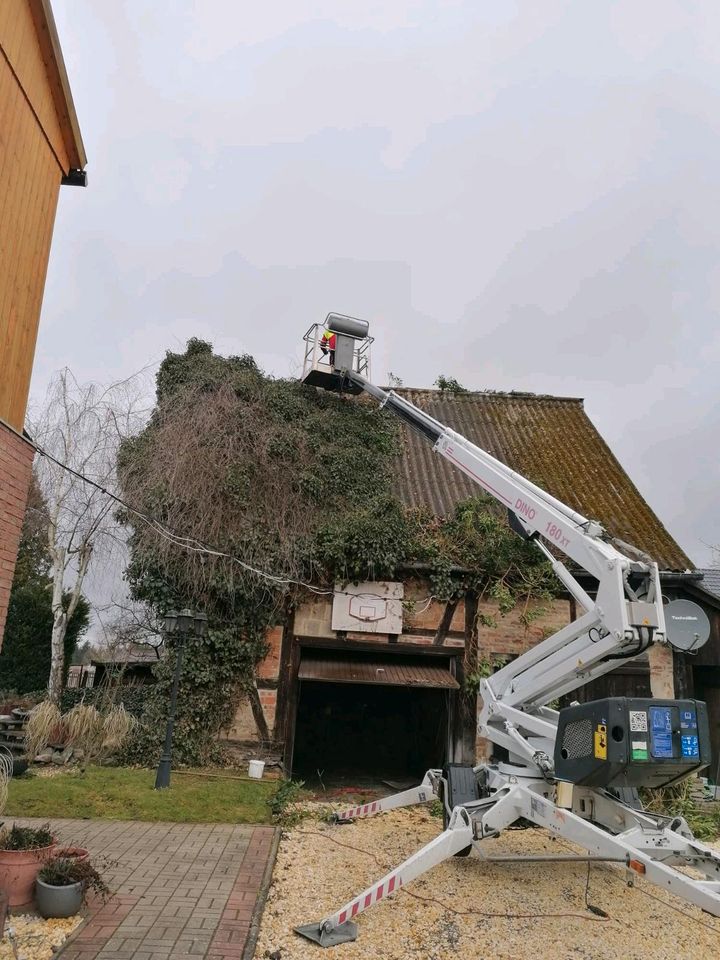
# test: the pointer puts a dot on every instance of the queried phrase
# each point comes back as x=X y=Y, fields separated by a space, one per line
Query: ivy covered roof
x=550 y=440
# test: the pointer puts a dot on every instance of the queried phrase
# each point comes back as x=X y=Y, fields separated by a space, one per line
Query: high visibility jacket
x=329 y=339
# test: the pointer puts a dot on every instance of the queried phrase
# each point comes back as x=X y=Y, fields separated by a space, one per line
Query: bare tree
x=79 y=426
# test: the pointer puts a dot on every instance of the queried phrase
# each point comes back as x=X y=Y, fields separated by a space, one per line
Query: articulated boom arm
x=625 y=617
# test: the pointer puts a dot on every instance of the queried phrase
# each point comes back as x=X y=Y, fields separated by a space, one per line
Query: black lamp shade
x=170 y=621
x=201 y=624
x=185 y=621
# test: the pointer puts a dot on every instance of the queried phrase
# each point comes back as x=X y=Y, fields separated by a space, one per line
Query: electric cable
x=613 y=874
x=463 y=913
x=598 y=911
x=683 y=913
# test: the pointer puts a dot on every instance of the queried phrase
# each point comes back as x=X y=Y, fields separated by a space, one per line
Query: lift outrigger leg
x=423 y=793
x=339 y=926
x=644 y=843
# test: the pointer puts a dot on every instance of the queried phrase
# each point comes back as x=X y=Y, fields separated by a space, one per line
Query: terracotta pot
x=18 y=871
x=71 y=853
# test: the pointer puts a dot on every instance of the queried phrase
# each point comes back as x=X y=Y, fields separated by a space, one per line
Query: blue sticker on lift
x=661 y=732
x=688 y=720
x=689 y=739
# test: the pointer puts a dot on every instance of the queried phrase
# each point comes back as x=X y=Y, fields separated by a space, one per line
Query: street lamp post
x=180 y=625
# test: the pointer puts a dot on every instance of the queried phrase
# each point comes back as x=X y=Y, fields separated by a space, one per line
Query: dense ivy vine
x=295 y=482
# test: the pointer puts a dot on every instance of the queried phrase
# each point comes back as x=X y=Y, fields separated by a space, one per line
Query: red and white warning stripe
x=366 y=810
x=423 y=793
x=374 y=894
x=458 y=835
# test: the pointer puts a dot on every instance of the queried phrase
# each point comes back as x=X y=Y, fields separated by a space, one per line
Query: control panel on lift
x=624 y=742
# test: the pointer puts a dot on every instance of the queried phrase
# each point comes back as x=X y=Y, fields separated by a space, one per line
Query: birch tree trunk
x=57 y=657
x=78 y=432
x=62 y=615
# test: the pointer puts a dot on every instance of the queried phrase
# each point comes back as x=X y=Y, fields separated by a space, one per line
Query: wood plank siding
x=23 y=51
x=33 y=159
x=40 y=144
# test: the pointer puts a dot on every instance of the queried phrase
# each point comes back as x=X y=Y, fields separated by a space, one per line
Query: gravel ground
x=36 y=939
x=314 y=876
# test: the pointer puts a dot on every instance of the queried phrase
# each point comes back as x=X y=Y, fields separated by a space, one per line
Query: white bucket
x=255 y=769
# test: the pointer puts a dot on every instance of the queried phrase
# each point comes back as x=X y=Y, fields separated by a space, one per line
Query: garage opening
x=371 y=717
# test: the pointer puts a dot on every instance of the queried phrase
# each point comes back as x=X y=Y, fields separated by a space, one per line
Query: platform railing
x=314 y=358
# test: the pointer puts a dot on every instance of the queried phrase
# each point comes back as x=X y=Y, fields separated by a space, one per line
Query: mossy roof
x=550 y=440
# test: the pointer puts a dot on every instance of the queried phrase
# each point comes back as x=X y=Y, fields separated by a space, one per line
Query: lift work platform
x=329 y=369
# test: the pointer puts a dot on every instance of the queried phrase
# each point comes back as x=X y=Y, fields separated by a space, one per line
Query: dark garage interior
x=359 y=731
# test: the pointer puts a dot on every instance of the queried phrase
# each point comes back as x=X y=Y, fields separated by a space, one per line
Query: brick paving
x=182 y=891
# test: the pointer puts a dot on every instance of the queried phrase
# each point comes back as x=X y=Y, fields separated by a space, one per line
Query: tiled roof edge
x=488 y=394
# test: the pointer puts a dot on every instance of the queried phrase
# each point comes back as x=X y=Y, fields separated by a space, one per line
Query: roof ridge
x=502 y=394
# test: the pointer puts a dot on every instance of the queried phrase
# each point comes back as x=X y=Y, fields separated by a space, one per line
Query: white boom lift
x=571 y=771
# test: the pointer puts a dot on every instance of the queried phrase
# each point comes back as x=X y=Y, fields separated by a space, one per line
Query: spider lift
x=572 y=771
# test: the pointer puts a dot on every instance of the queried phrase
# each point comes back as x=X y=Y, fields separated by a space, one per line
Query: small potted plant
x=63 y=885
x=23 y=850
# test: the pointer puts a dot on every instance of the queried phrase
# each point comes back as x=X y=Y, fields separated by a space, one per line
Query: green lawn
x=118 y=793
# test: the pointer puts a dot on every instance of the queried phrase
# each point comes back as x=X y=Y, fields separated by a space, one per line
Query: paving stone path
x=182 y=891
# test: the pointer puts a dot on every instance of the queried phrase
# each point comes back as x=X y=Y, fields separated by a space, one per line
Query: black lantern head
x=170 y=621
x=185 y=621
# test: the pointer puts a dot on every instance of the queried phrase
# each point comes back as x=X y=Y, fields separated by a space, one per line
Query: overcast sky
x=524 y=196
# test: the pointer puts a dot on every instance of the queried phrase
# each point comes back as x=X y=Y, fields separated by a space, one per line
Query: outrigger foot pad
x=344 y=933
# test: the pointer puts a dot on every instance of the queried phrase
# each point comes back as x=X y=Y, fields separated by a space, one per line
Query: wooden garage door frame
x=299 y=643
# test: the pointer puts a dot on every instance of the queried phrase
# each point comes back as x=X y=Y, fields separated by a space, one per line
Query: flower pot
x=58 y=901
x=71 y=853
x=18 y=870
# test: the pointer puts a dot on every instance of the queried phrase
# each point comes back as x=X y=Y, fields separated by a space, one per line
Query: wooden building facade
x=40 y=148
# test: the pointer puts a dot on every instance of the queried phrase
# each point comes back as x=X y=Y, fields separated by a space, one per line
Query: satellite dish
x=687 y=625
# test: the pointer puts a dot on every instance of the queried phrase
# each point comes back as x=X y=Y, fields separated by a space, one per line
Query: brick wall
x=243 y=726
x=270 y=666
x=511 y=637
x=16 y=457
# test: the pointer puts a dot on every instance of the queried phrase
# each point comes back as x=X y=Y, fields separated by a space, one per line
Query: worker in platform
x=327 y=345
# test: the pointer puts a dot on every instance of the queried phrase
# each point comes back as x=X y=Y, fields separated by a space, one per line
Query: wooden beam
x=284 y=673
x=422 y=649
x=293 y=697
x=470 y=665
x=444 y=625
x=51 y=52
x=456 y=711
x=425 y=632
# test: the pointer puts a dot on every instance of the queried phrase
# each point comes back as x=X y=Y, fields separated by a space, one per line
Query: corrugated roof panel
x=710 y=581
x=330 y=667
x=550 y=440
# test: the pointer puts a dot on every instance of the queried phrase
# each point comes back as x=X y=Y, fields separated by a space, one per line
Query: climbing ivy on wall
x=295 y=482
